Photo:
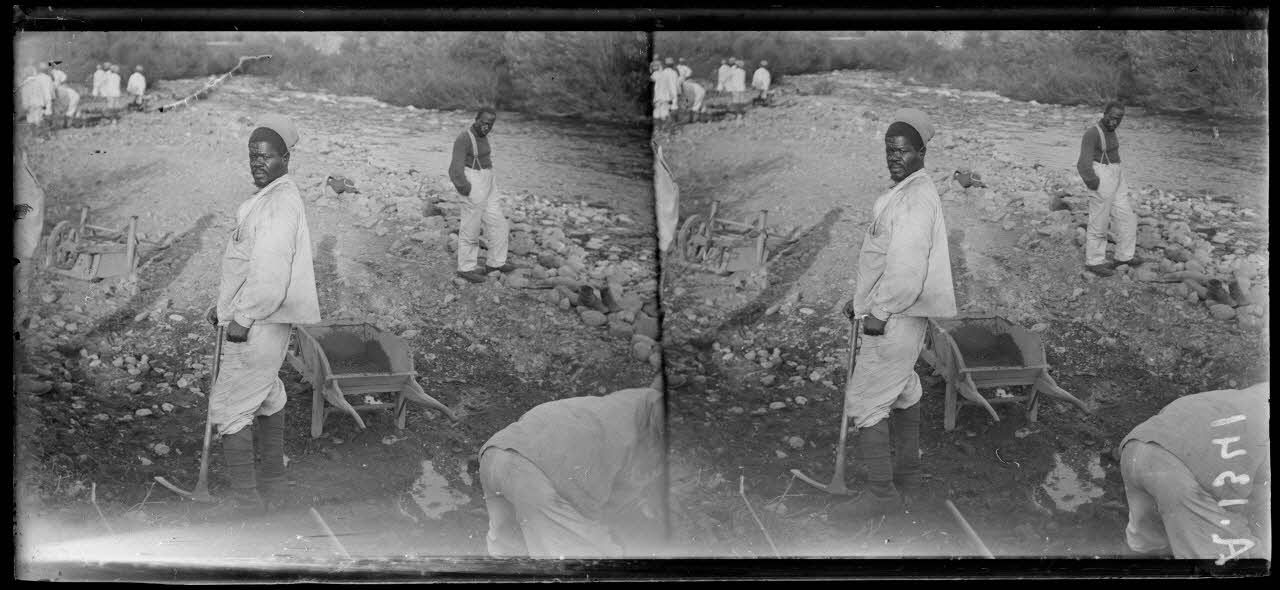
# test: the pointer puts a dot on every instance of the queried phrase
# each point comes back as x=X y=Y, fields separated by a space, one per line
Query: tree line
x=594 y=75
x=1214 y=72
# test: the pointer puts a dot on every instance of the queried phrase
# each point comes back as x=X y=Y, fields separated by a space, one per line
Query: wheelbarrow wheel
x=690 y=241
x=60 y=246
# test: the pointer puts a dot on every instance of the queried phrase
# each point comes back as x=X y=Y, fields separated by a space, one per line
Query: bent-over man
x=554 y=480
x=903 y=279
x=268 y=285
x=1197 y=477
x=691 y=96
x=471 y=171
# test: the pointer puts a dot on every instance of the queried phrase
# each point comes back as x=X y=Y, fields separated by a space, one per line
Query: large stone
x=550 y=260
x=1177 y=254
x=631 y=302
x=521 y=244
x=592 y=317
x=619 y=329
x=647 y=325
x=567 y=272
x=1148 y=237
x=428 y=236
x=1251 y=323
x=410 y=208
x=1222 y=312
x=641 y=349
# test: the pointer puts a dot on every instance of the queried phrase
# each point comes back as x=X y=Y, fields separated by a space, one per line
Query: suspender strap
x=475 y=149
x=1103 y=138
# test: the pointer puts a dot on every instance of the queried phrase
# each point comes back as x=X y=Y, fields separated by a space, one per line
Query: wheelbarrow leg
x=1033 y=405
x=401 y=410
x=317 y=411
x=950 y=407
x=1047 y=385
x=760 y=241
x=970 y=391
x=340 y=400
x=415 y=393
x=131 y=247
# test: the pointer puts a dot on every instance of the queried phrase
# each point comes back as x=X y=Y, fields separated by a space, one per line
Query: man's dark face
x=266 y=163
x=902 y=158
x=1111 y=119
x=484 y=124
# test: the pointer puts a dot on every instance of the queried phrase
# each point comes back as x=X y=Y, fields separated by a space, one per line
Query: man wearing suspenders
x=471 y=171
x=1110 y=209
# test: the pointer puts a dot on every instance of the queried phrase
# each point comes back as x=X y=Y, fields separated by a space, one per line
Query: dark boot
x=880 y=498
x=272 y=482
x=906 y=451
x=243 y=501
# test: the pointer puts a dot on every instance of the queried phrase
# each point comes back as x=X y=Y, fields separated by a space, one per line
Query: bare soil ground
x=490 y=351
x=764 y=354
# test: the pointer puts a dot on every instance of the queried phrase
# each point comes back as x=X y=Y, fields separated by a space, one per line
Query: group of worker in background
x=47 y=100
x=106 y=83
x=674 y=89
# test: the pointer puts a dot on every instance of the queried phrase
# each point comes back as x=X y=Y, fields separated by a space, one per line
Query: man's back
x=1213 y=432
x=583 y=443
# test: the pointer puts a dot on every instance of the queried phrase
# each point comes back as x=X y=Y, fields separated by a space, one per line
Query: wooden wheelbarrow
x=967 y=376
x=90 y=252
x=345 y=358
x=724 y=246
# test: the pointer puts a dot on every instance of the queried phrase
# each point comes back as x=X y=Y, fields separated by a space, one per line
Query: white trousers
x=1170 y=513
x=884 y=374
x=661 y=109
x=528 y=517
x=1110 y=209
x=482 y=208
x=249 y=379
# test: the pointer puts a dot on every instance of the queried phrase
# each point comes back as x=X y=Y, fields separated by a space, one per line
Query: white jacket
x=684 y=71
x=761 y=79
x=722 y=77
x=99 y=76
x=267 y=273
x=137 y=84
x=46 y=88
x=110 y=85
x=904 y=267
x=737 y=81
x=666 y=85
x=33 y=94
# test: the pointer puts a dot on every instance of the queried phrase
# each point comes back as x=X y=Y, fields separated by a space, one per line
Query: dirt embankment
x=764 y=354
x=127 y=400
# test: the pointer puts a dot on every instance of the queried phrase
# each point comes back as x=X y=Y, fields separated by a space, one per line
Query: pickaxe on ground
x=837 y=486
x=201 y=492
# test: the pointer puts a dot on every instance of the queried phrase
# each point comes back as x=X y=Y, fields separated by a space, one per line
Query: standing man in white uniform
x=268 y=285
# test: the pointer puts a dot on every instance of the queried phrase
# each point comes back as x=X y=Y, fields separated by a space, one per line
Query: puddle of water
x=1067 y=489
x=433 y=493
